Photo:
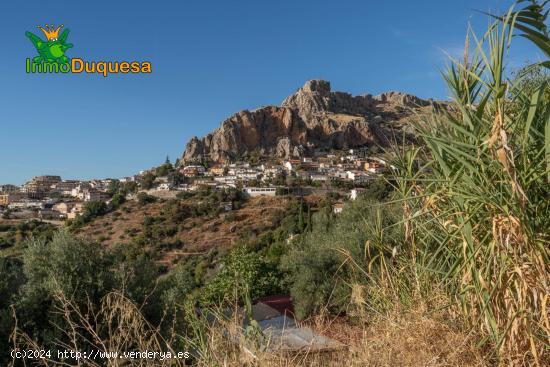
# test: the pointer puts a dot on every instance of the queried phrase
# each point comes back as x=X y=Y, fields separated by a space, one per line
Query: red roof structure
x=282 y=303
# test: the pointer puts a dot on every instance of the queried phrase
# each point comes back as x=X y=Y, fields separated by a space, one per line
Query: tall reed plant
x=478 y=211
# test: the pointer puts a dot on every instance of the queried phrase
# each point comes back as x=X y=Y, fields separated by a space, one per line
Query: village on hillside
x=53 y=199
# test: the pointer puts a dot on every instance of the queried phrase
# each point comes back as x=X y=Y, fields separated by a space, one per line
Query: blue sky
x=210 y=59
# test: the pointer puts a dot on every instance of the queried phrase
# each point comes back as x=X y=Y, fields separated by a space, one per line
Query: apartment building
x=94 y=195
x=65 y=187
x=39 y=186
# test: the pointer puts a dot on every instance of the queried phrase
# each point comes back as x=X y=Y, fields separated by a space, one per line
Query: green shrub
x=178 y=284
x=92 y=210
x=66 y=265
x=135 y=272
x=176 y=212
x=147 y=181
x=11 y=280
x=118 y=199
x=144 y=199
x=241 y=271
x=184 y=195
x=80 y=271
x=317 y=264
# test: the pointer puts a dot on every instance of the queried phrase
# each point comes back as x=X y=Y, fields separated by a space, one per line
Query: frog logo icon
x=51 y=57
x=52 y=50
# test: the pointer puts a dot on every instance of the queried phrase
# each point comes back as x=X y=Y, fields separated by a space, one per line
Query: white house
x=260 y=191
x=358 y=177
x=129 y=179
x=249 y=175
x=318 y=177
x=271 y=170
x=228 y=180
x=378 y=169
x=339 y=174
x=164 y=186
x=94 y=195
x=291 y=164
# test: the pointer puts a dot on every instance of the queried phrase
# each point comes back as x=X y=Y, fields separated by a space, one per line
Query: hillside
x=167 y=227
x=312 y=118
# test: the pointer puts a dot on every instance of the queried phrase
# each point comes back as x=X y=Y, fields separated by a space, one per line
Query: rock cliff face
x=313 y=117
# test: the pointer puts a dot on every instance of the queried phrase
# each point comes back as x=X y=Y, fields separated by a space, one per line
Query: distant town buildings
x=8 y=188
x=10 y=197
x=359 y=177
x=217 y=170
x=64 y=207
x=192 y=171
x=94 y=195
x=39 y=186
x=51 y=197
x=75 y=211
x=65 y=187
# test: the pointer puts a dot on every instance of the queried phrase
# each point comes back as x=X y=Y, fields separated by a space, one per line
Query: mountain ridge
x=313 y=117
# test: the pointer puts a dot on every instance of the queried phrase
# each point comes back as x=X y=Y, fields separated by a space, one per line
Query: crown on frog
x=50 y=32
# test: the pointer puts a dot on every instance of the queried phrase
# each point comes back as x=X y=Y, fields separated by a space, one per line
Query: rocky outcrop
x=315 y=97
x=313 y=117
x=268 y=130
x=403 y=99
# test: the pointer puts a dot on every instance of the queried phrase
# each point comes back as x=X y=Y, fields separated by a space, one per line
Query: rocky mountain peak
x=312 y=98
x=316 y=97
x=317 y=86
x=313 y=117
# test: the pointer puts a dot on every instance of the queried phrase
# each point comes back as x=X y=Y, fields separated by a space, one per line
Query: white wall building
x=359 y=177
x=164 y=186
x=318 y=177
x=260 y=191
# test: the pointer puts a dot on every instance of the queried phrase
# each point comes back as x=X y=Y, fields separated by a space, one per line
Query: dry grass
x=412 y=337
x=415 y=336
x=117 y=326
x=397 y=340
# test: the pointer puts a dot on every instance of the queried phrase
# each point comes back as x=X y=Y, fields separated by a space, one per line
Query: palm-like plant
x=480 y=215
